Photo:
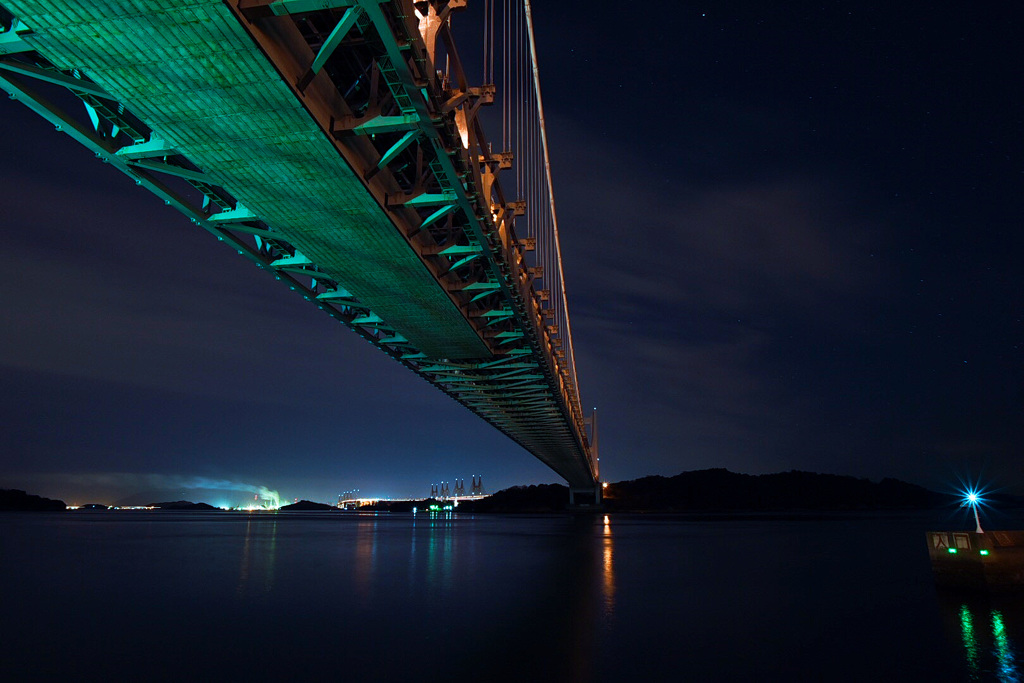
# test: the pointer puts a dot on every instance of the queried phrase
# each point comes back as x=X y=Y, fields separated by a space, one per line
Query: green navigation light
x=952 y=551
x=984 y=552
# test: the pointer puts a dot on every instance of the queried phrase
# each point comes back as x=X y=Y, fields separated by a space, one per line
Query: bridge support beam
x=585 y=498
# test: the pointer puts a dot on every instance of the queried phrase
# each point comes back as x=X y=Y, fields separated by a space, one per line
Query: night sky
x=792 y=240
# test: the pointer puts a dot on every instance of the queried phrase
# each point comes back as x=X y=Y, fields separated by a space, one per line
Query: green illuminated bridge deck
x=317 y=138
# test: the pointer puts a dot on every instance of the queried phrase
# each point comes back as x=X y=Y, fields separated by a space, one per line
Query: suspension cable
x=551 y=193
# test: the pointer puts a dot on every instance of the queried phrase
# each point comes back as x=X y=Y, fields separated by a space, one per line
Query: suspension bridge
x=340 y=146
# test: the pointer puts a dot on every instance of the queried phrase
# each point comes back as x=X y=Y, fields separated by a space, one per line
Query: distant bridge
x=338 y=145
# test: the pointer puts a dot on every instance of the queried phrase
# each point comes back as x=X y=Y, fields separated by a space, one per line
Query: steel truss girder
x=278 y=42
x=559 y=426
x=56 y=77
x=10 y=39
x=347 y=22
x=281 y=7
x=150 y=149
x=531 y=333
x=106 y=150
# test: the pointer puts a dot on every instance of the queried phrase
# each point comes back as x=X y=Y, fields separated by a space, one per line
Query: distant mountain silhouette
x=182 y=505
x=304 y=505
x=15 y=499
x=719 y=490
x=538 y=498
x=144 y=497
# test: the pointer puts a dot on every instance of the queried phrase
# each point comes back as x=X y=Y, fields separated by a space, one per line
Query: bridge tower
x=477 y=486
x=587 y=493
x=460 y=487
x=433 y=491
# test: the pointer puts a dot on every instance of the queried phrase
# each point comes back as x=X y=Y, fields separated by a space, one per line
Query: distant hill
x=15 y=499
x=143 y=498
x=719 y=490
x=304 y=505
x=538 y=498
x=181 y=505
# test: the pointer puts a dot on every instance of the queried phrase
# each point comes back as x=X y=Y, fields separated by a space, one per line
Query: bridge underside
x=193 y=74
x=316 y=140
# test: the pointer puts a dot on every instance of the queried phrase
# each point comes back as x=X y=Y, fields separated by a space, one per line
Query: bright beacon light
x=972 y=499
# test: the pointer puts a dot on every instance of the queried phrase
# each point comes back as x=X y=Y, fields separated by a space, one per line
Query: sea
x=305 y=596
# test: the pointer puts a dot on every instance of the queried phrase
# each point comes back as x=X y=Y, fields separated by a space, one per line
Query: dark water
x=155 y=596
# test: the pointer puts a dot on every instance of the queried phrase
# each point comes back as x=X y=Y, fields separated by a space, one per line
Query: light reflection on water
x=363 y=560
x=259 y=552
x=1007 y=661
x=440 y=538
x=608 y=569
x=539 y=598
x=989 y=653
x=969 y=639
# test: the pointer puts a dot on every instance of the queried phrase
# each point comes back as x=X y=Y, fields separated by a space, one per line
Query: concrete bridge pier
x=586 y=497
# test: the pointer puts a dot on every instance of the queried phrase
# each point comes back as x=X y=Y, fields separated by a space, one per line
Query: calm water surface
x=155 y=596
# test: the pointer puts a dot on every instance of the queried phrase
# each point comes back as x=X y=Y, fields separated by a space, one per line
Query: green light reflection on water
x=970 y=641
x=1004 y=652
x=1006 y=663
